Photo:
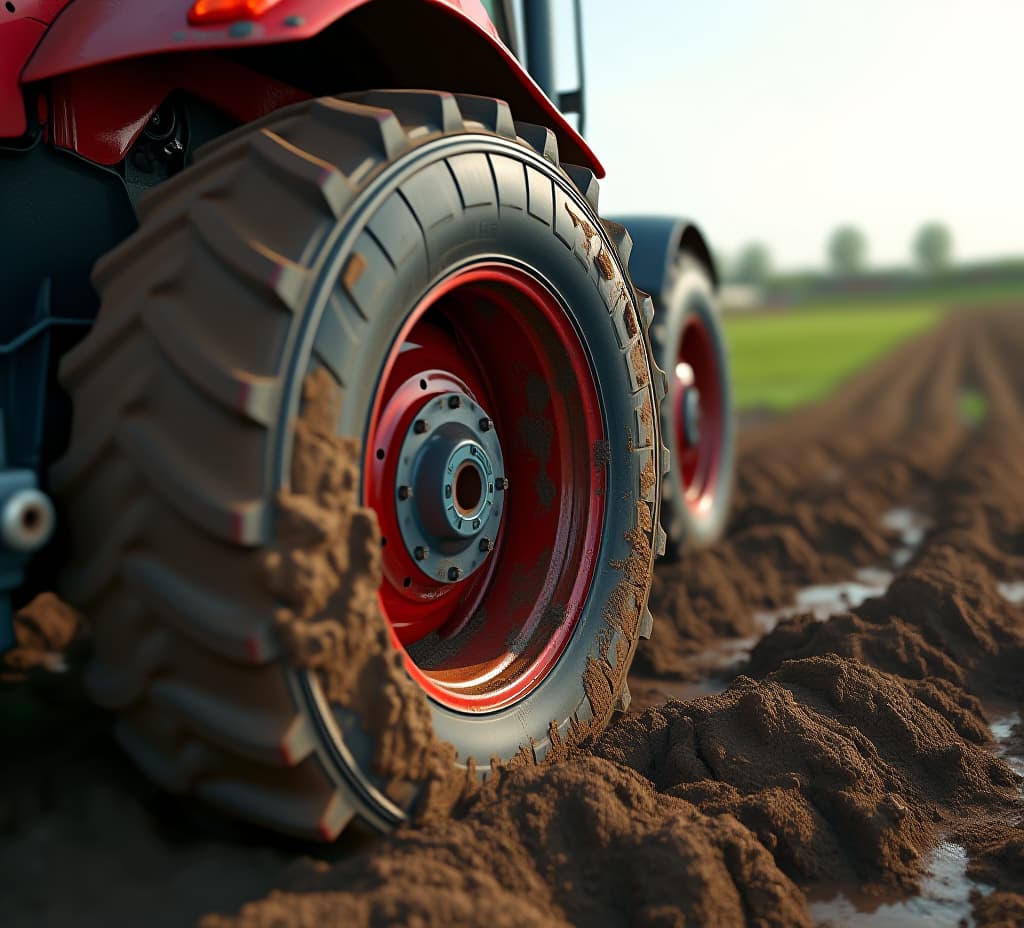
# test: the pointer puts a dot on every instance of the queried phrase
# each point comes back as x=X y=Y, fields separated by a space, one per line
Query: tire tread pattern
x=172 y=380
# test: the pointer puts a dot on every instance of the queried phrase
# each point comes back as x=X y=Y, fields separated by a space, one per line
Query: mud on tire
x=294 y=251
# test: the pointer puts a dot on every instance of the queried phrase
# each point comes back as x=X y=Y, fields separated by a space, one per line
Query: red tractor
x=259 y=293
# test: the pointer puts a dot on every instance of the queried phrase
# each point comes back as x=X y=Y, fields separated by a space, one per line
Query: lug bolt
x=404 y=492
x=486 y=544
x=501 y=483
x=486 y=425
x=419 y=426
x=421 y=553
x=454 y=573
x=454 y=402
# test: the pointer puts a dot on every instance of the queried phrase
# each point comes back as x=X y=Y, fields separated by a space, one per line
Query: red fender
x=101 y=36
x=20 y=32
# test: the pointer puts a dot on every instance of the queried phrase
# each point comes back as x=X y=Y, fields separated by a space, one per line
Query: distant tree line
x=847 y=255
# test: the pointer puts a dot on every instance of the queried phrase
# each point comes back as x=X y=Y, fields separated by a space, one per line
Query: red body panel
x=131 y=90
x=93 y=33
x=17 y=39
x=20 y=33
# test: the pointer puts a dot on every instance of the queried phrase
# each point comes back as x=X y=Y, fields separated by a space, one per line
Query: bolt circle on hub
x=453 y=468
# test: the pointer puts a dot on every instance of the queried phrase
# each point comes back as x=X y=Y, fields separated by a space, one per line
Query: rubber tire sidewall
x=523 y=239
x=691 y=294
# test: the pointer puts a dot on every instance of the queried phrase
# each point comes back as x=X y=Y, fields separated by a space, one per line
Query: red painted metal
x=17 y=40
x=43 y=10
x=227 y=11
x=20 y=33
x=430 y=365
x=500 y=335
x=119 y=98
x=91 y=33
x=697 y=367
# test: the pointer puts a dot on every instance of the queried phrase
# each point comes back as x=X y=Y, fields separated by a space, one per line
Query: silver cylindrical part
x=27 y=520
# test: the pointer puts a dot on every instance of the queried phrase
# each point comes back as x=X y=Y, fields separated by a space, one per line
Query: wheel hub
x=450 y=487
x=698 y=415
x=691 y=416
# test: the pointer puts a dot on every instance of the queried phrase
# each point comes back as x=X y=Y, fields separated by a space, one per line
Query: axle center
x=450 y=487
x=691 y=416
x=454 y=483
x=469 y=489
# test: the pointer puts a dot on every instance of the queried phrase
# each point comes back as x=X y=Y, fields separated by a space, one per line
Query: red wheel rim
x=698 y=389
x=498 y=335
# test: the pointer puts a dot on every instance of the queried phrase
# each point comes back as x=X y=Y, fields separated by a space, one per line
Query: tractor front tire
x=697 y=416
x=492 y=381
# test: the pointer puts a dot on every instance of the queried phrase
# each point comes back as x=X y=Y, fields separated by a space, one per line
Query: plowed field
x=826 y=725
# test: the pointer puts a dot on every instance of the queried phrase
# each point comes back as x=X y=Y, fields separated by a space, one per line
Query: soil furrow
x=853 y=755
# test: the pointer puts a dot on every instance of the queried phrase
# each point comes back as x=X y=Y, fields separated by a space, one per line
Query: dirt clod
x=326 y=566
x=580 y=843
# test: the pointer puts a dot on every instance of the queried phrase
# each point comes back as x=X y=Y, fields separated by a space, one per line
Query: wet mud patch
x=325 y=569
x=944 y=615
x=944 y=899
x=581 y=842
x=845 y=773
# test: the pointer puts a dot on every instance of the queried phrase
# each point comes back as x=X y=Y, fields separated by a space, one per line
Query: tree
x=847 y=250
x=933 y=247
x=753 y=265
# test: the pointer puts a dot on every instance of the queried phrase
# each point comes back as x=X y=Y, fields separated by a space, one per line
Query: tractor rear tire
x=697 y=416
x=381 y=243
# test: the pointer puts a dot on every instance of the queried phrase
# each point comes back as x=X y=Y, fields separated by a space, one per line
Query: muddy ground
x=826 y=725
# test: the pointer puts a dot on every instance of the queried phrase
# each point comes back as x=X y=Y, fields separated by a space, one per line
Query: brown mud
x=325 y=570
x=851 y=768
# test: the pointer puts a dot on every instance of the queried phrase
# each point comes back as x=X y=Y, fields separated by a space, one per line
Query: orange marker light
x=204 y=12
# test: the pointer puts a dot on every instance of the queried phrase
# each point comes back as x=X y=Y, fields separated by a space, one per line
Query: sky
x=777 y=121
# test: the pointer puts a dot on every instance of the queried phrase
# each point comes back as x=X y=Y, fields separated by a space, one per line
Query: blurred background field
x=785 y=359
x=793 y=339
x=852 y=194
x=790 y=355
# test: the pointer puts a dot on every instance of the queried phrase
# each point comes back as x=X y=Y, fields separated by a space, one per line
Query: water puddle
x=911 y=526
x=945 y=897
x=944 y=900
x=826 y=599
x=1012 y=591
x=711 y=670
x=945 y=893
x=1008 y=732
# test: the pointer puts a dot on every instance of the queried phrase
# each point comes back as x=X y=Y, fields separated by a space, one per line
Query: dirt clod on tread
x=44 y=630
x=326 y=567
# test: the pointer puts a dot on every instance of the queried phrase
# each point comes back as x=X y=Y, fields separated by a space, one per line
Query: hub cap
x=450 y=487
